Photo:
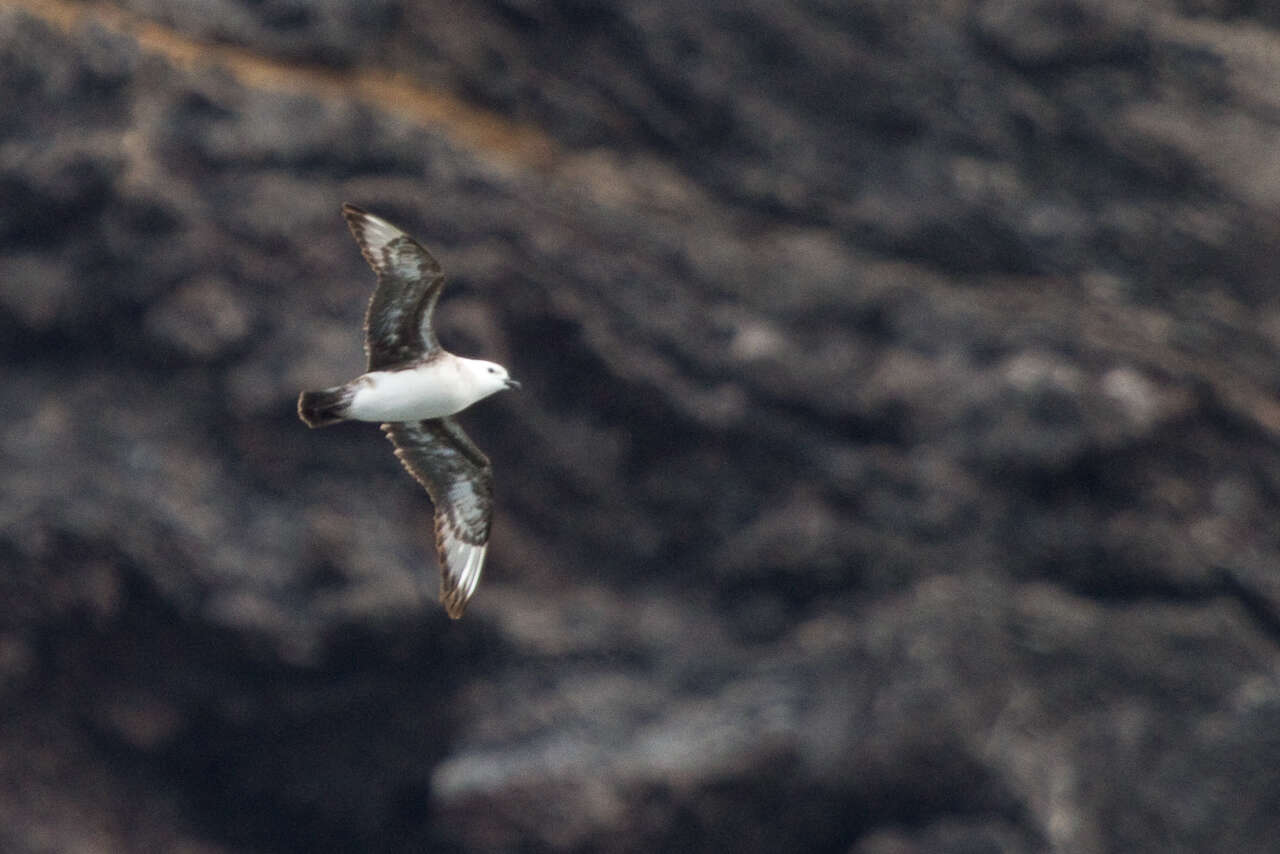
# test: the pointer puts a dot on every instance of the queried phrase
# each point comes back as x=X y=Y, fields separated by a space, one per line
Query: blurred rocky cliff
x=896 y=470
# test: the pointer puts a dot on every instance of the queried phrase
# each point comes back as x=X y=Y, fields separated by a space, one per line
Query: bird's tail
x=324 y=407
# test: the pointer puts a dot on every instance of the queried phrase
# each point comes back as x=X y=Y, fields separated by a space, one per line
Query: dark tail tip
x=322 y=408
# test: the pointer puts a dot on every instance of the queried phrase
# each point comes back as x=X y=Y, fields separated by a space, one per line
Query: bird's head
x=489 y=377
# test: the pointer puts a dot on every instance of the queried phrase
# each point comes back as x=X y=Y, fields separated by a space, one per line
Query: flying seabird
x=413 y=386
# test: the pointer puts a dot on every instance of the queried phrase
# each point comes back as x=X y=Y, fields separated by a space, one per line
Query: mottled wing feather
x=397 y=325
x=459 y=479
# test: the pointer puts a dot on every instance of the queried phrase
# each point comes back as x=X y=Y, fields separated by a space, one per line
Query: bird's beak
x=512 y=383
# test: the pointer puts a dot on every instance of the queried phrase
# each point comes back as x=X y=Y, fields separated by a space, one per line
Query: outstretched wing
x=397 y=326
x=459 y=479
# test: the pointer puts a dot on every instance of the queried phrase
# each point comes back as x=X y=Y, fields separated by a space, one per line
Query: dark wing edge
x=458 y=477
x=397 y=323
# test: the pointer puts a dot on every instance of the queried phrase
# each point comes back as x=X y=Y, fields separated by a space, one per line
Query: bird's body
x=413 y=386
x=432 y=388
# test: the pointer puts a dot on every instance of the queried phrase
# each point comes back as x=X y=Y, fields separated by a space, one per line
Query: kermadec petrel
x=413 y=385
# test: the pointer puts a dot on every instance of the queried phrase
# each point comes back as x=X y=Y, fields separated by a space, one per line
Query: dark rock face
x=895 y=470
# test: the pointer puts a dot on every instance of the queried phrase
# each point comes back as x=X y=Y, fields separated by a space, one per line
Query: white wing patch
x=378 y=232
x=403 y=260
x=462 y=564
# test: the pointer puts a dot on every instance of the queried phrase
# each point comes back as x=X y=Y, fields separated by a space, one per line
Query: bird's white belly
x=432 y=391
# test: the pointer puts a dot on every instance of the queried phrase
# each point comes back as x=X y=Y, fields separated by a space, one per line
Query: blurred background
x=896 y=468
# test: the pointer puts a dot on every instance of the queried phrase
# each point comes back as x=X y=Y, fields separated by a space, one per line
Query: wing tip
x=454 y=605
x=357 y=218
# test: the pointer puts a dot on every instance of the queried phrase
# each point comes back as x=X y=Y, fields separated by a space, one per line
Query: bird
x=414 y=387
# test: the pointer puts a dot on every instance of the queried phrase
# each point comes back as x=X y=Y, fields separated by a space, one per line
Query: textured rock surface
x=896 y=468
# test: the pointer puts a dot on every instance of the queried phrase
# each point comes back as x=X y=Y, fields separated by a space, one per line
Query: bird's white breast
x=433 y=390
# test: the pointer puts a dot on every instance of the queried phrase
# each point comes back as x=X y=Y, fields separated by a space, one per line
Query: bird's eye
x=493 y=370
